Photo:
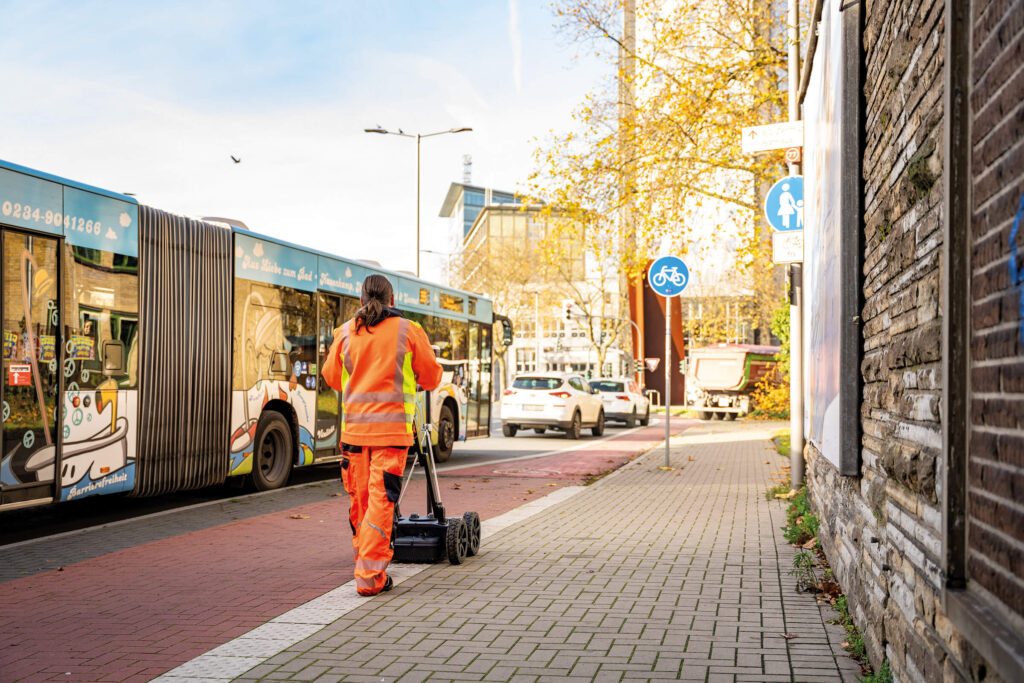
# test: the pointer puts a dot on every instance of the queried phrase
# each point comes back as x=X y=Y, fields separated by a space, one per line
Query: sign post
x=668 y=276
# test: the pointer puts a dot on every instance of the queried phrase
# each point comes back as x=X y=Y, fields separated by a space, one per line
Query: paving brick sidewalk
x=647 y=574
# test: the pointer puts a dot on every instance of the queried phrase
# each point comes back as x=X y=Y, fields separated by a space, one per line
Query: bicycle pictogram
x=668 y=274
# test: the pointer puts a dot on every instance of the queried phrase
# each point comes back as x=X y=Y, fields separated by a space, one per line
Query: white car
x=623 y=401
x=545 y=401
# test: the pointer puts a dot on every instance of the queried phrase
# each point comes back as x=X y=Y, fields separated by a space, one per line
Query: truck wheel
x=445 y=435
x=540 y=430
x=272 y=456
x=704 y=415
x=730 y=416
x=509 y=430
x=717 y=416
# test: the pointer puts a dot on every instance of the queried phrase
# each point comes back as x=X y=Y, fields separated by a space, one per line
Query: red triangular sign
x=652 y=363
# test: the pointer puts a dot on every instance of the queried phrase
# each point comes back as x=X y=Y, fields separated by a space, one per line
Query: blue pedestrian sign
x=668 y=276
x=784 y=205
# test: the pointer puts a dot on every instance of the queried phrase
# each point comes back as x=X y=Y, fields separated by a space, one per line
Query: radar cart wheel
x=472 y=521
x=457 y=540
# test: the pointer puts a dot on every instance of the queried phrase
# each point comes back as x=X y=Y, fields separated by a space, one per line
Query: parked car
x=623 y=401
x=545 y=401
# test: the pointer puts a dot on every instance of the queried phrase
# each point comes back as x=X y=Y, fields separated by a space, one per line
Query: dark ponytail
x=376 y=299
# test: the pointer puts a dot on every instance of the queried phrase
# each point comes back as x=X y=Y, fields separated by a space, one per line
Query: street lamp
x=418 y=136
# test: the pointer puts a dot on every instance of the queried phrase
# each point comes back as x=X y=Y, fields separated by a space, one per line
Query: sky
x=154 y=98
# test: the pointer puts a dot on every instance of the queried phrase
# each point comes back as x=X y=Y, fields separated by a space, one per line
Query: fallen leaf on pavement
x=719 y=468
x=551 y=484
x=299 y=516
x=810 y=543
x=529 y=490
x=666 y=468
x=456 y=485
x=788 y=636
x=690 y=458
x=609 y=460
x=486 y=480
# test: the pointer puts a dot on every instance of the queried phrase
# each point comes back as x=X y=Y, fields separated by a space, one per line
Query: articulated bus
x=145 y=352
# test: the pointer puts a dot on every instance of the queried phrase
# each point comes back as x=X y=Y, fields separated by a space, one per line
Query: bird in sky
x=235 y=159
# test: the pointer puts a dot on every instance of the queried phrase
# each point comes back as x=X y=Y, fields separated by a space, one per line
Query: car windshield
x=604 y=385
x=537 y=383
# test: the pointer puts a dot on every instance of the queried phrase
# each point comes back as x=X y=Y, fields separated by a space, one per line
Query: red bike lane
x=136 y=613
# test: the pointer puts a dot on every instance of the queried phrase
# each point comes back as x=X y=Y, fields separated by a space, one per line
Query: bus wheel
x=445 y=435
x=730 y=416
x=272 y=457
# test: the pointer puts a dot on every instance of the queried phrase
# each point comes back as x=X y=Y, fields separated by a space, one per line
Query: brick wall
x=995 y=472
x=883 y=531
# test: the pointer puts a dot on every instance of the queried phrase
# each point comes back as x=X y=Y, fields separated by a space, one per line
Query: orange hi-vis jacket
x=376 y=370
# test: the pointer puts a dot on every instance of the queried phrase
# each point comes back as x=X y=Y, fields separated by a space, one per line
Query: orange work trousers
x=372 y=476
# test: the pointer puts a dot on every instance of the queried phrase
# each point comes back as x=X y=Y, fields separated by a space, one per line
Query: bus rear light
x=561 y=394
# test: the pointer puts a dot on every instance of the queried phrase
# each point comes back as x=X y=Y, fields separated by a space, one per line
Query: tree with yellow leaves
x=652 y=168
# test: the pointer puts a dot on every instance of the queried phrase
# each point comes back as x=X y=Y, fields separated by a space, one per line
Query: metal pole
x=796 y=384
x=668 y=372
x=796 y=377
x=536 y=316
x=417 y=204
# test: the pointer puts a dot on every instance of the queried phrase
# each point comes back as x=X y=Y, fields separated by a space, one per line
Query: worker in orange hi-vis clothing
x=376 y=361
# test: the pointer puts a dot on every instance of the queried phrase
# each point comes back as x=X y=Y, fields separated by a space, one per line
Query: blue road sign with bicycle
x=668 y=276
x=784 y=204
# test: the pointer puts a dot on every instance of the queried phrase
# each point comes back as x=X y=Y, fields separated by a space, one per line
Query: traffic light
x=638 y=366
x=568 y=311
x=682 y=367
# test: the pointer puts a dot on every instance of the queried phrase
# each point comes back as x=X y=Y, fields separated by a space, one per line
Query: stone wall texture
x=883 y=531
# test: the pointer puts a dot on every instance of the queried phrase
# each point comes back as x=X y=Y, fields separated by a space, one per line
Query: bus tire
x=509 y=430
x=272 y=455
x=704 y=414
x=445 y=435
x=730 y=416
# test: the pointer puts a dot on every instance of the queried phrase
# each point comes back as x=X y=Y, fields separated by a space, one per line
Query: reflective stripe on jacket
x=376 y=370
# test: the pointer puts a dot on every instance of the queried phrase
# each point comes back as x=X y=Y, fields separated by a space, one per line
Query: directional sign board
x=668 y=276
x=772 y=136
x=784 y=204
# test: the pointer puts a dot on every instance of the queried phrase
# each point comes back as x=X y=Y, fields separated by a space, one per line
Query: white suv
x=551 y=401
x=623 y=401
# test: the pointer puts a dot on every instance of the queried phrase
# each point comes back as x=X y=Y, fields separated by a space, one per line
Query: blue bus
x=146 y=352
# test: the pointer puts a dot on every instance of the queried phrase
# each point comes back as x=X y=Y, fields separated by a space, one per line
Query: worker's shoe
x=388 y=585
